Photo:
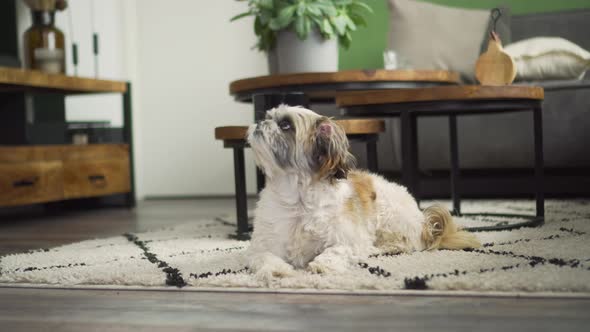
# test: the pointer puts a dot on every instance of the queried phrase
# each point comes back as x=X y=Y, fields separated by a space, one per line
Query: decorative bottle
x=44 y=44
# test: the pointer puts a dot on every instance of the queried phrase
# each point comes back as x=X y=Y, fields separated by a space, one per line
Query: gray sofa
x=498 y=147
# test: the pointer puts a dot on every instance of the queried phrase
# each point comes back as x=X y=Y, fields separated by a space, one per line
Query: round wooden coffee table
x=452 y=101
x=323 y=87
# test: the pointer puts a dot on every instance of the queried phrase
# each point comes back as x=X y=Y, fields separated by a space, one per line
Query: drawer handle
x=25 y=182
x=98 y=180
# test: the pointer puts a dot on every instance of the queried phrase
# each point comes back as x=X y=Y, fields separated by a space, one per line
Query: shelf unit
x=31 y=174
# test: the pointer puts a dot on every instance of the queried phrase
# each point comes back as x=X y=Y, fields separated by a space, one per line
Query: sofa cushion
x=547 y=58
x=431 y=36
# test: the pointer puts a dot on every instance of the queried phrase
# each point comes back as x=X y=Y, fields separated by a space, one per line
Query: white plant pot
x=293 y=55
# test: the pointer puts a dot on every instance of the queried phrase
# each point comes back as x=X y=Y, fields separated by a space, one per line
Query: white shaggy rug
x=552 y=258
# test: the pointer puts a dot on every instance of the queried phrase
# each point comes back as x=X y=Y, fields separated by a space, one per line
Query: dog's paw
x=271 y=271
x=317 y=267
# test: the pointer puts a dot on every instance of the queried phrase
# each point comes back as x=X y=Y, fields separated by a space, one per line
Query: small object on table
x=44 y=44
x=495 y=67
x=393 y=60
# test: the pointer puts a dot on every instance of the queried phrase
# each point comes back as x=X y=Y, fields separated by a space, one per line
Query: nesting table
x=453 y=101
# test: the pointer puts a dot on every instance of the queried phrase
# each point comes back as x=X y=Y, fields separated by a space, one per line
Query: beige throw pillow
x=548 y=58
x=431 y=36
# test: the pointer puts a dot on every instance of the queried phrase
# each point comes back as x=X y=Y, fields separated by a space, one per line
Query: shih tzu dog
x=318 y=213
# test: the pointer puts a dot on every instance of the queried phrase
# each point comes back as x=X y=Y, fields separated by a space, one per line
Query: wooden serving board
x=495 y=67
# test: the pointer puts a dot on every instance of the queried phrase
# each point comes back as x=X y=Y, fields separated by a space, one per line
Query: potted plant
x=303 y=35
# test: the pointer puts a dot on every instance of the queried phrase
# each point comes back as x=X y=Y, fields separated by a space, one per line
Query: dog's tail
x=441 y=232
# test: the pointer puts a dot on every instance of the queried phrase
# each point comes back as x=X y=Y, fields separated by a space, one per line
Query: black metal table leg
x=260 y=180
x=455 y=175
x=241 y=196
x=372 y=162
x=410 y=153
x=262 y=103
x=130 y=198
x=539 y=162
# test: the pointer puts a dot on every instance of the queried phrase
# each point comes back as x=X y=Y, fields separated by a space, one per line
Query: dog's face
x=295 y=139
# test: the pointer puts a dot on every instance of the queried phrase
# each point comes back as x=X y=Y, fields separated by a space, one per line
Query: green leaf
x=345 y=40
x=286 y=14
x=345 y=43
x=284 y=18
x=239 y=16
x=342 y=2
x=257 y=26
x=280 y=4
x=327 y=27
x=268 y=4
x=317 y=24
x=301 y=7
x=274 y=25
x=314 y=9
x=307 y=25
x=359 y=20
x=339 y=23
x=327 y=8
x=300 y=27
x=267 y=40
x=349 y=23
x=361 y=5
x=265 y=16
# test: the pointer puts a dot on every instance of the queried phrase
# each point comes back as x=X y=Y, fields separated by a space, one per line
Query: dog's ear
x=330 y=155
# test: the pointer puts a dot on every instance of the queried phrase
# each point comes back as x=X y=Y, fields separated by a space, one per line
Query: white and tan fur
x=318 y=213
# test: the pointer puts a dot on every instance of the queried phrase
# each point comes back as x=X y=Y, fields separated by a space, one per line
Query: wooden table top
x=16 y=79
x=326 y=85
x=442 y=93
x=350 y=127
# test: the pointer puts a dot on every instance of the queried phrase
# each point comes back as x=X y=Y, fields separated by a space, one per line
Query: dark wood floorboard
x=185 y=311
x=102 y=310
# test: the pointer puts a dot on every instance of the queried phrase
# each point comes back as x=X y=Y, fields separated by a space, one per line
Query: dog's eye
x=284 y=124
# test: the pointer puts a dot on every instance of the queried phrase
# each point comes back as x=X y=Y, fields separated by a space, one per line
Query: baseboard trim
x=191 y=197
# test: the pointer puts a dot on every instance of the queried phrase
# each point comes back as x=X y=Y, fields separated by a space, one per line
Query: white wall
x=180 y=56
x=188 y=54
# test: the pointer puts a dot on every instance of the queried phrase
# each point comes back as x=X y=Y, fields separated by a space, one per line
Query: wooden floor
x=100 y=310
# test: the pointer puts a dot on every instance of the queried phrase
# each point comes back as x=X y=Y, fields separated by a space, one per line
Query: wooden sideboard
x=31 y=174
x=41 y=174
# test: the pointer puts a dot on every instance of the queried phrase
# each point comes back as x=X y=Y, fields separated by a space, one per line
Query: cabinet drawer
x=87 y=178
x=28 y=183
x=95 y=151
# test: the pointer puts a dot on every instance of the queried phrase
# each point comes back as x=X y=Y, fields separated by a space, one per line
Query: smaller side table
x=453 y=101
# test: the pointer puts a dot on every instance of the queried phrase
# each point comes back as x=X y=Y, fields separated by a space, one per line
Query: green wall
x=366 y=51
